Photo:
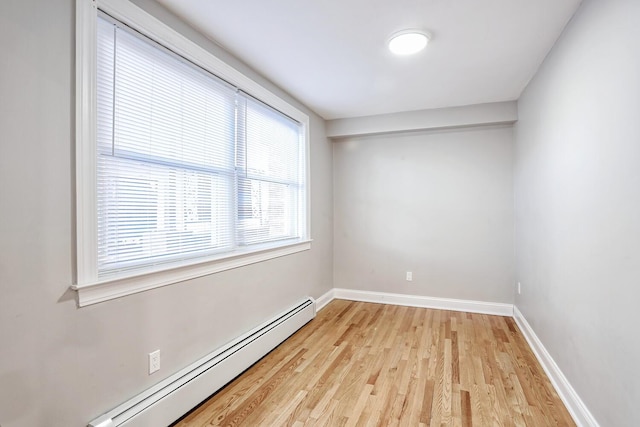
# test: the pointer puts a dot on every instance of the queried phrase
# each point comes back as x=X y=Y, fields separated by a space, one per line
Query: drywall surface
x=577 y=179
x=63 y=366
x=438 y=204
x=422 y=120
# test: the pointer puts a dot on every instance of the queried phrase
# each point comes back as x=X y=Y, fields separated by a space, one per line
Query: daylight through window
x=187 y=166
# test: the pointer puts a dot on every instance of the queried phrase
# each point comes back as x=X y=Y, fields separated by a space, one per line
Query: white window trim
x=90 y=289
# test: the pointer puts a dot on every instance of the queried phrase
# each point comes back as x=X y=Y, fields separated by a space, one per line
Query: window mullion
x=176 y=169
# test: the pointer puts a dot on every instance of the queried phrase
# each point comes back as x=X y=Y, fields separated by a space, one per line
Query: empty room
x=330 y=213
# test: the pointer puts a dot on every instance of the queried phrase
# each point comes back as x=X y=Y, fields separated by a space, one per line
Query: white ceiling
x=332 y=54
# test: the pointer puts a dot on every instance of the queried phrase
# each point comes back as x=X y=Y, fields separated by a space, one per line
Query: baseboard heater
x=168 y=400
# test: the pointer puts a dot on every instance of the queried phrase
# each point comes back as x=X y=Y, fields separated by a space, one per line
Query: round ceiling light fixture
x=408 y=42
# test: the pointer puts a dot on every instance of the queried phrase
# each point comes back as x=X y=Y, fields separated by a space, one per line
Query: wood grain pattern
x=362 y=364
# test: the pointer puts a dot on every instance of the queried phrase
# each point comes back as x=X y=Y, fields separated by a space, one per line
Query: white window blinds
x=187 y=165
x=270 y=176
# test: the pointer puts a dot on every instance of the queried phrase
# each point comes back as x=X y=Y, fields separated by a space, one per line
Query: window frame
x=90 y=289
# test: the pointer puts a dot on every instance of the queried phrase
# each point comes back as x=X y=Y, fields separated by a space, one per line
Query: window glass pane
x=165 y=167
x=152 y=213
x=170 y=110
x=270 y=181
x=187 y=166
x=266 y=210
x=272 y=143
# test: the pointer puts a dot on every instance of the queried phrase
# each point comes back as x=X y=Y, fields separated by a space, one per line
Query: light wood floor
x=361 y=364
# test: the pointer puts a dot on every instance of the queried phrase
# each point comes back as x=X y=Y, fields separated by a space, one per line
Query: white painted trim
x=325 y=299
x=172 y=397
x=494 y=308
x=94 y=293
x=86 y=124
x=497 y=113
x=92 y=289
x=575 y=405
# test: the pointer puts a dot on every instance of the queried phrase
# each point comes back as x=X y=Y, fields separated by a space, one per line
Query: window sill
x=93 y=293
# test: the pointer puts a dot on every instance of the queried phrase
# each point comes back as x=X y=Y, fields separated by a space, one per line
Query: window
x=180 y=173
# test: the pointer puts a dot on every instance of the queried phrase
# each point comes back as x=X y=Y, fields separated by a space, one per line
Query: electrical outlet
x=519 y=289
x=409 y=276
x=154 y=361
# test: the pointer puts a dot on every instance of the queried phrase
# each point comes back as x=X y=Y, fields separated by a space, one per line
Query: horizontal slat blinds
x=271 y=178
x=187 y=166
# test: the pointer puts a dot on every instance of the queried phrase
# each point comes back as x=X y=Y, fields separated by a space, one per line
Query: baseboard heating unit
x=168 y=400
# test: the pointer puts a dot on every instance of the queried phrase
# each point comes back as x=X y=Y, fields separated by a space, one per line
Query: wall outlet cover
x=154 y=361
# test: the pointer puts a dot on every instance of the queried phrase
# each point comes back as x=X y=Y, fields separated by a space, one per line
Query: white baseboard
x=325 y=299
x=175 y=395
x=499 y=309
x=572 y=401
x=575 y=405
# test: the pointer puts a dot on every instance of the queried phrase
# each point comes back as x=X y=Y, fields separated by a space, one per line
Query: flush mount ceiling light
x=408 y=42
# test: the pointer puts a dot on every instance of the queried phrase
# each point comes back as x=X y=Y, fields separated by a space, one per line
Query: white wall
x=577 y=217
x=410 y=121
x=578 y=207
x=60 y=365
x=437 y=203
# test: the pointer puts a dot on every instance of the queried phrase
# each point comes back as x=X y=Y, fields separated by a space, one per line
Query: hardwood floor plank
x=427 y=403
x=465 y=404
x=362 y=364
